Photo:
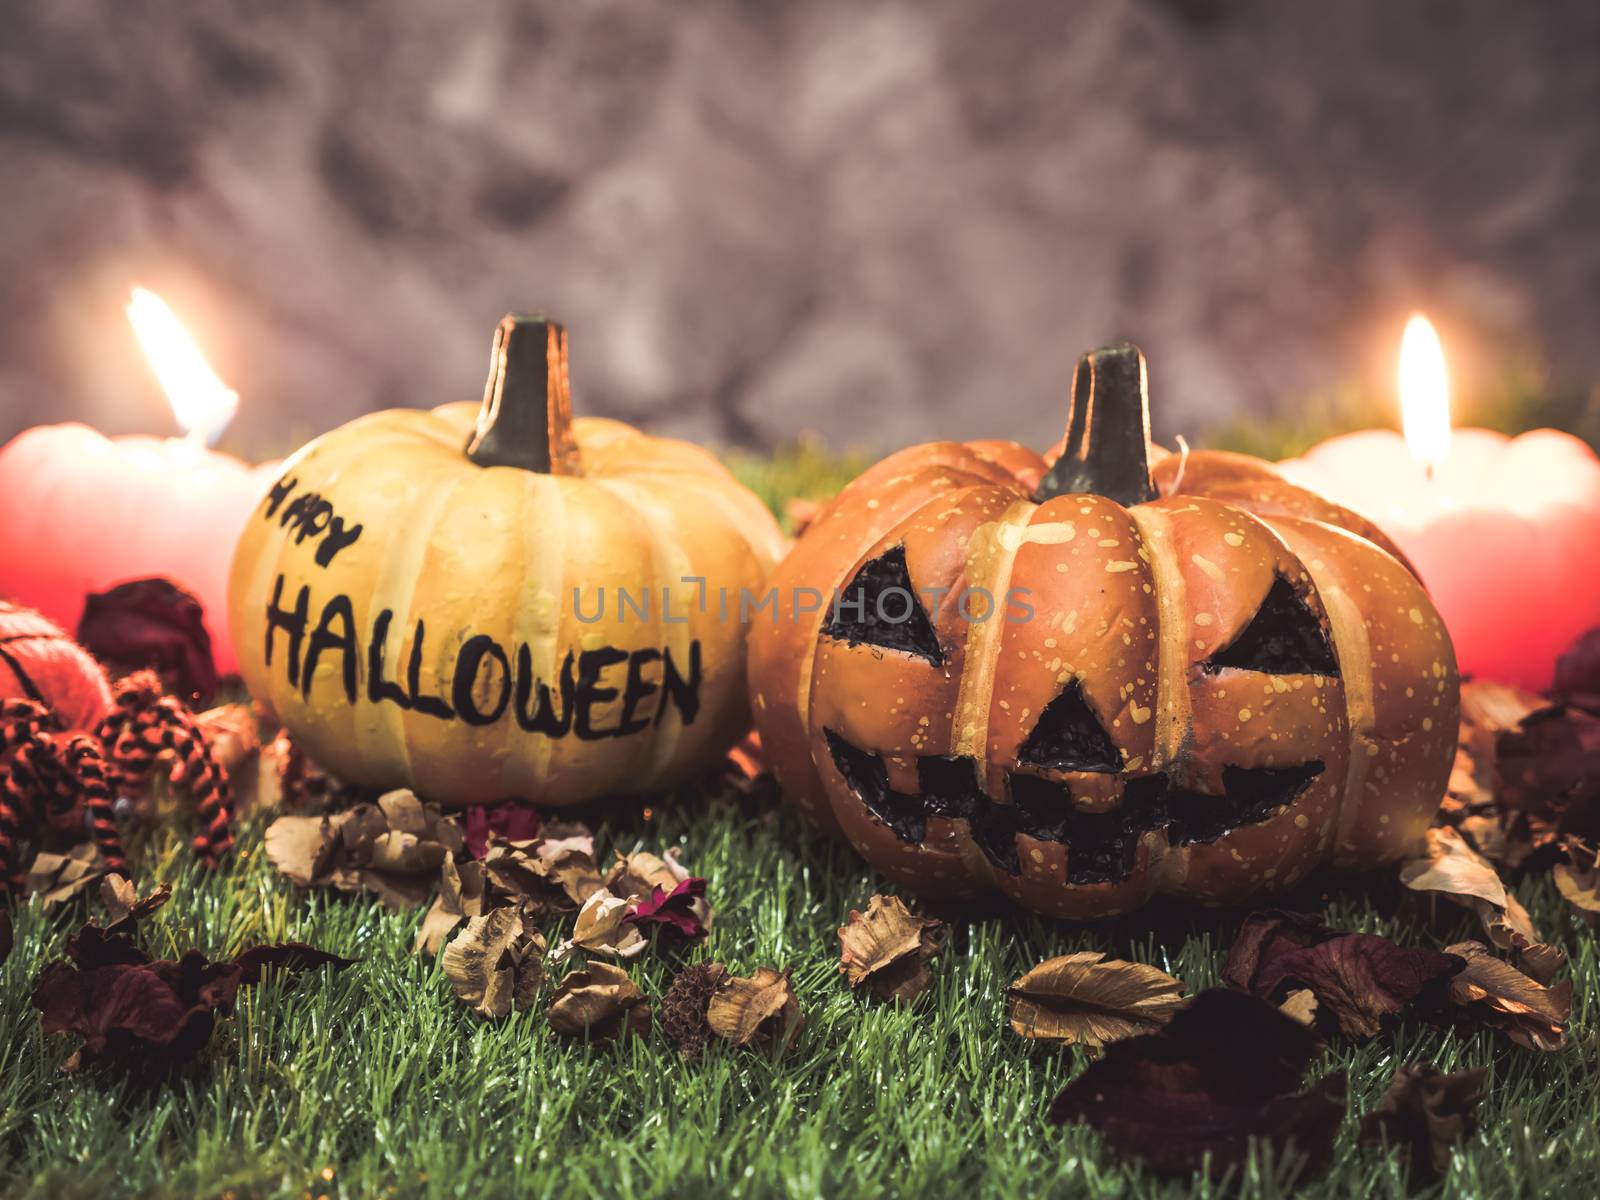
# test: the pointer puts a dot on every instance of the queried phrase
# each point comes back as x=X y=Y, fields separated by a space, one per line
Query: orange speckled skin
x=1129 y=602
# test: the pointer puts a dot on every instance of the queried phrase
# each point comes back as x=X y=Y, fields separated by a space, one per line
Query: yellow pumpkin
x=497 y=600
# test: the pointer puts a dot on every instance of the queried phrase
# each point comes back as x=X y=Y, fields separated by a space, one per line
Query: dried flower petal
x=1424 y=1113
x=1085 y=999
x=512 y=820
x=1503 y=998
x=155 y=624
x=602 y=928
x=1221 y=1074
x=684 y=1007
x=760 y=1009
x=599 y=1002
x=495 y=963
x=888 y=949
x=148 y=1015
x=677 y=912
x=1358 y=978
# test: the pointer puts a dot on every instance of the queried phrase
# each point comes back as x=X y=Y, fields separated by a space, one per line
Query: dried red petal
x=674 y=910
x=1224 y=1071
x=513 y=820
x=155 y=624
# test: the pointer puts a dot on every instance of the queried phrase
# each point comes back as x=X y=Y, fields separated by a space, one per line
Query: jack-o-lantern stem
x=1107 y=448
x=526 y=418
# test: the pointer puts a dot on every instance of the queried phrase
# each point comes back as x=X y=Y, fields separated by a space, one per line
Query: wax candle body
x=1505 y=534
x=83 y=513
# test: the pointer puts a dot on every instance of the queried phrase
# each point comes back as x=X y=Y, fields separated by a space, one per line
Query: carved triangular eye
x=1284 y=638
x=1070 y=737
x=880 y=608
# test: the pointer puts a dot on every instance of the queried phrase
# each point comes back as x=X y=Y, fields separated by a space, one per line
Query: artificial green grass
x=380 y=1074
x=381 y=1077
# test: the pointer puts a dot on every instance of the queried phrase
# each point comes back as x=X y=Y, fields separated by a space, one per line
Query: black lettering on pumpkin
x=682 y=692
x=463 y=688
x=279 y=493
x=591 y=665
x=338 y=538
x=433 y=706
x=293 y=623
x=379 y=688
x=323 y=638
x=638 y=689
x=544 y=718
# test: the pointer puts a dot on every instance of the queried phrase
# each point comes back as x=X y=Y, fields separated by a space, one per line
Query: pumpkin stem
x=1107 y=448
x=526 y=418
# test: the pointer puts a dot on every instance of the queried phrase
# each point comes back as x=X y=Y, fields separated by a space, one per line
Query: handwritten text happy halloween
x=572 y=706
x=478 y=693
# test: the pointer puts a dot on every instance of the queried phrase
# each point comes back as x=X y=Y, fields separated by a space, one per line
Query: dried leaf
x=1579 y=880
x=761 y=1009
x=461 y=896
x=1301 y=1005
x=1223 y=1072
x=602 y=928
x=145 y=1015
x=122 y=903
x=1358 y=978
x=1089 y=1000
x=1449 y=866
x=495 y=963
x=57 y=878
x=888 y=949
x=599 y=1002
x=1577 y=676
x=684 y=1007
x=1496 y=707
x=394 y=848
x=748 y=759
x=635 y=876
x=233 y=733
x=1503 y=998
x=1549 y=775
x=1424 y=1113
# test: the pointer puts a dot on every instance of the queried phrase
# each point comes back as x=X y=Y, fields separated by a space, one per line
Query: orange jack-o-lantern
x=1088 y=684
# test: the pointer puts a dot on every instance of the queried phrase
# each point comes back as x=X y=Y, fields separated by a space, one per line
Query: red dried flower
x=155 y=624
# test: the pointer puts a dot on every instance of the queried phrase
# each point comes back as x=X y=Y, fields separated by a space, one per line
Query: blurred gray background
x=884 y=220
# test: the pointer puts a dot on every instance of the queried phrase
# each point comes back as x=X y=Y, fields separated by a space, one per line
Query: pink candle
x=85 y=512
x=1505 y=532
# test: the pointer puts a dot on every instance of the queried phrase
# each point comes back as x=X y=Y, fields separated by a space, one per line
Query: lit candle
x=1505 y=532
x=84 y=512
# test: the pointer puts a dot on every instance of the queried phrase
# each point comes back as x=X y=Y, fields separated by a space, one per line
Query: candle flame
x=1424 y=394
x=202 y=403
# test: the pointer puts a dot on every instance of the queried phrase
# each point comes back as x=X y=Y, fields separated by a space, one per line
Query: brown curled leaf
x=888 y=949
x=1086 y=999
x=1498 y=995
x=1424 y=1114
x=496 y=963
x=761 y=1009
x=601 y=1003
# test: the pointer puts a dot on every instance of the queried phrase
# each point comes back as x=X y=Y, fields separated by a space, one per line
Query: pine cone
x=683 y=1008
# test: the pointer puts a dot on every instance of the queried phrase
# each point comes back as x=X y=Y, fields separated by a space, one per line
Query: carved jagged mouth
x=1103 y=847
